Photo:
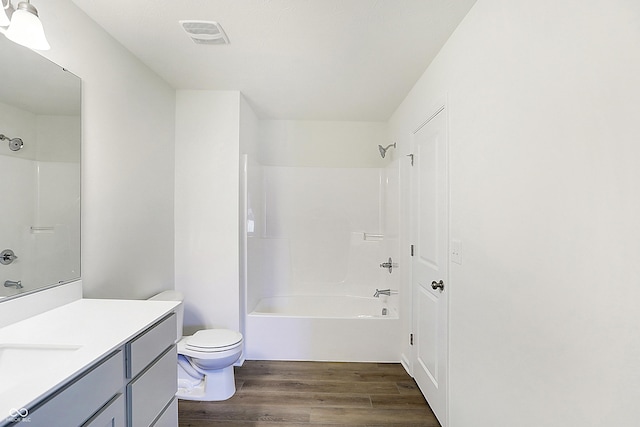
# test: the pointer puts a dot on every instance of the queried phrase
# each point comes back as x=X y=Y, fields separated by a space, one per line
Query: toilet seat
x=212 y=341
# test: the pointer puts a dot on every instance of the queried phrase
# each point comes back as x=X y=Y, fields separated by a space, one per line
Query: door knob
x=437 y=285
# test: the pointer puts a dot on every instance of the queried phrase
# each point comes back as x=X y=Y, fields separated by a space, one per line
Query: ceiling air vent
x=205 y=32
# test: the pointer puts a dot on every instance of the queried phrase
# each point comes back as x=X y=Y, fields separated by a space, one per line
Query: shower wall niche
x=316 y=216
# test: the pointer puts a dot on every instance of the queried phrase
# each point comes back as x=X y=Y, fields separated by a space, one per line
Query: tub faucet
x=13 y=284
x=384 y=292
x=389 y=265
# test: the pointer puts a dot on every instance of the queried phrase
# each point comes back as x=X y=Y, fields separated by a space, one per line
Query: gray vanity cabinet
x=151 y=392
x=83 y=396
x=112 y=415
x=134 y=386
x=152 y=376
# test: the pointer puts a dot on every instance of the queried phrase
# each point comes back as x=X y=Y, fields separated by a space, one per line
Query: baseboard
x=406 y=364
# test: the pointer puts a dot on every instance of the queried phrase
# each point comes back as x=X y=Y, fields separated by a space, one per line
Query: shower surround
x=316 y=238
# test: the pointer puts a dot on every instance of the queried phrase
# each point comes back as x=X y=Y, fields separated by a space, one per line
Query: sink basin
x=20 y=362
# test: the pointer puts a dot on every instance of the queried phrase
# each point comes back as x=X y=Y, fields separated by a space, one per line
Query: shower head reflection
x=383 y=150
x=15 y=144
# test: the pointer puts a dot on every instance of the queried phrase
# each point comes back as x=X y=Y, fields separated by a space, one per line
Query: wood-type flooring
x=303 y=394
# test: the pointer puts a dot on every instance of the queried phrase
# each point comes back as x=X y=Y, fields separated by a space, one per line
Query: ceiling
x=350 y=60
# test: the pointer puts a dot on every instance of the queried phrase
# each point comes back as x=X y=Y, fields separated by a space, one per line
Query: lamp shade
x=26 y=28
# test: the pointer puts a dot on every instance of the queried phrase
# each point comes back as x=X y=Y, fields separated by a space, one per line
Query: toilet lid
x=210 y=339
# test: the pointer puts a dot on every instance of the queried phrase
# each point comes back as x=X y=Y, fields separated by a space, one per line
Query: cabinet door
x=169 y=417
x=112 y=415
x=150 y=393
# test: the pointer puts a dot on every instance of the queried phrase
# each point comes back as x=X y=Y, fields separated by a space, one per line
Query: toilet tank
x=179 y=310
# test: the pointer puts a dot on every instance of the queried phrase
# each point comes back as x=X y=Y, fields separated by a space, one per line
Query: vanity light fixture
x=25 y=27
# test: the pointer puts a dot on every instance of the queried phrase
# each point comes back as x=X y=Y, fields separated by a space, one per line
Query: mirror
x=40 y=140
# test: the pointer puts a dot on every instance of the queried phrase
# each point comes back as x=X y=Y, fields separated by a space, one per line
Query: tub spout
x=13 y=284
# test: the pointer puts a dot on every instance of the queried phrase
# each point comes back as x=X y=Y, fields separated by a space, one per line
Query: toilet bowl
x=205 y=359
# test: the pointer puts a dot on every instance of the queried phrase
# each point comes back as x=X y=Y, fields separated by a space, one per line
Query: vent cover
x=205 y=32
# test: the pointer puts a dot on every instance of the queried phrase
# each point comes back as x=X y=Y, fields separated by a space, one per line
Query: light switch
x=456 y=251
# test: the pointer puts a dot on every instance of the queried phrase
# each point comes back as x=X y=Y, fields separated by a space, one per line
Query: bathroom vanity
x=65 y=361
x=91 y=363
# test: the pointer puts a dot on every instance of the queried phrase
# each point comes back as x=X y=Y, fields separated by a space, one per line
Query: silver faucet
x=13 y=284
x=7 y=257
x=389 y=265
x=384 y=292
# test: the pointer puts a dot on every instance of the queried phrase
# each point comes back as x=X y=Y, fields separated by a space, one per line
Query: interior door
x=430 y=264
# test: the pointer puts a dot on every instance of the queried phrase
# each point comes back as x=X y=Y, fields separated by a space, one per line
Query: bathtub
x=335 y=307
x=323 y=328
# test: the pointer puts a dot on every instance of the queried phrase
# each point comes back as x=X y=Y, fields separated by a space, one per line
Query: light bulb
x=26 y=28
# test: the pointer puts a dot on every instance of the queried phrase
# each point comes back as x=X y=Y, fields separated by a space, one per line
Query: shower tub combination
x=323 y=328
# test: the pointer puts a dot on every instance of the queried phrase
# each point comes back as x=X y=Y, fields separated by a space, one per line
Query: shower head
x=383 y=150
x=14 y=143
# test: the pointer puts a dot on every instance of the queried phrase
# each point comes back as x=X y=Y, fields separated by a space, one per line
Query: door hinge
x=410 y=155
x=411 y=250
x=411 y=339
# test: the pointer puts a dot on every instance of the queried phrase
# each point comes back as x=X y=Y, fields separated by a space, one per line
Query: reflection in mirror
x=39 y=172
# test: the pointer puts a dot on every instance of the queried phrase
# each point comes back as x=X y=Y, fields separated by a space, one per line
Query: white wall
x=128 y=158
x=392 y=245
x=543 y=102
x=207 y=155
x=250 y=130
x=316 y=219
x=305 y=143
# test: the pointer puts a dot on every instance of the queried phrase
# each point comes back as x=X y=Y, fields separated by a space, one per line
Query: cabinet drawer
x=150 y=393
x=80 y=399
x=169 y=417
x=154 y=341
x=112 y=415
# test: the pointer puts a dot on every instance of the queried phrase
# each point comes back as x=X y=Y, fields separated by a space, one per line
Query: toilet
x=205 y=359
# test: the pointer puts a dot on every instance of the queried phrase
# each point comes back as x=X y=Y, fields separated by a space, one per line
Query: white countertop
x=98 y=326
